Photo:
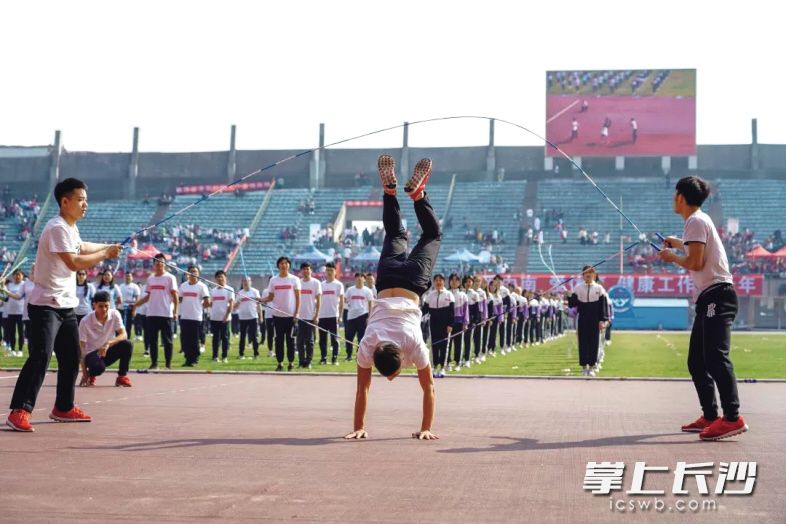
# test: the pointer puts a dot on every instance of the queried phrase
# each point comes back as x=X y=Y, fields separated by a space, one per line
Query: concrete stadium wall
x=107 y=173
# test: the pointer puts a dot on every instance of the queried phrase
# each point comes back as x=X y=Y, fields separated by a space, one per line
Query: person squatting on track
x=103 y=341
x=162 y=306
x=249 y=311
x=716 y=307
x=310 y=301
x=61 y=252
x=438 y=305
x=283 y=291
x=358 y=300
x=591 y=300
x=194 y=297
x=331 y=307
x=393 y=337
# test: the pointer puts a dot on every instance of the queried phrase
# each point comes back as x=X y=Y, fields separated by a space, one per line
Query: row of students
x=476 y=312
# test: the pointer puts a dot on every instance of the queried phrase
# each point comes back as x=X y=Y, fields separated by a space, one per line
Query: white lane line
x=12 y=376
x=561 y=112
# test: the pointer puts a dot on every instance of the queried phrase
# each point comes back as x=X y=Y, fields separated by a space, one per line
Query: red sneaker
x=386 y=166
x=91 y=381
x=722 y=428
x=698 y=425
x=123 y=381
x=417 y=183
x=73 y=415
x=19 y=420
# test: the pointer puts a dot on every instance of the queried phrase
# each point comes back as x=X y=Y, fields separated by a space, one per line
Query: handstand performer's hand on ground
x=425 y=435
x=359 y=434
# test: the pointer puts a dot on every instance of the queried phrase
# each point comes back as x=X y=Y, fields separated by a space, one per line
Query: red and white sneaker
x=19 y=420
x=123 y=381
x=698 y=425
x=722 y=428
x=73 y=415
x=417 y=183
x=386 y=165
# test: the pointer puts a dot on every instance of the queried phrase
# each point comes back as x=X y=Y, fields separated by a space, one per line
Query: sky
x=185 y=71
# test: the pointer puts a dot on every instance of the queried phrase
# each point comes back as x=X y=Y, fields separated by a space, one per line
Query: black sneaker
x=153 y=366
x=323 y=362
x=280 y=367
x=334 y=361
x=290 y=367
x=386 y=166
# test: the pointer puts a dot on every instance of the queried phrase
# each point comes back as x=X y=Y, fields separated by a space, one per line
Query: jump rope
x=228 y=186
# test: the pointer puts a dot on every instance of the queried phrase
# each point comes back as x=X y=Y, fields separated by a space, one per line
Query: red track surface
x=252 y=448
x=667 y=125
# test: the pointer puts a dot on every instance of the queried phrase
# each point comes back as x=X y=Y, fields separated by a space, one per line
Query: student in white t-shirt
x=310 y=300
x=283 y=294
x=14 y=328
x=221 y=303
x=106 y=282
x=393 y=338
x=370 y=283
x=104 y=341
x=249 y=309
x=329 y=312
x=51 y=304
x=716 y=308
x=84 y=293
x=129 y=294
x=162 y=306
x=194 y=297
x=358 y=299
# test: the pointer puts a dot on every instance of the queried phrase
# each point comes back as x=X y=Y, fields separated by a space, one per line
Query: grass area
x=631 y=355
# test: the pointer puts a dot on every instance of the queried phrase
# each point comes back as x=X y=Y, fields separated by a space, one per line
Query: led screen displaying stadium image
x=647 y=112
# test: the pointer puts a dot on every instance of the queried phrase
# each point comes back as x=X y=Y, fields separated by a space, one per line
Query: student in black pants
x=283 y=292
x=439 y=306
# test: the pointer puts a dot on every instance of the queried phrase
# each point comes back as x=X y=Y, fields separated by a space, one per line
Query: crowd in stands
x=24 y=211
x=190 y=243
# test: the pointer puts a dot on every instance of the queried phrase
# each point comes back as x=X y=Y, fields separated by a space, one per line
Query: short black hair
x=694 y=189
x=192 y=267
x=360 y=275
x=439 y=275
x=330 y=265
x=305 y=265
x=454 y=275
x=387 y=359
x=65 y=187
x=102 y=296
x=219 y=273
x=281 y=259
x=160 y=256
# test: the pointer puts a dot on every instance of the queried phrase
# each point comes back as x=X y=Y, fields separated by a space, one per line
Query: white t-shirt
x=220 y=299
x=142 y=310
x=373 y=291
x=160 y=291
x=94 y=334
x=192 y=296
x=309 y=291
x=14 y=306
x=396 y=320
x=699 y=228
x=85 y=295
x=357 y=301
x=130 y=293
x=283 y=289
x=28 y=288
x=331 y=291
x=247 y=303
x=55 y=284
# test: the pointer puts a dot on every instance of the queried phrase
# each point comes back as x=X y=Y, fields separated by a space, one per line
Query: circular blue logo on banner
x=621 y=298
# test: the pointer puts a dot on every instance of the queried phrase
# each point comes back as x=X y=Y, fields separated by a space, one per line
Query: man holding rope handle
x=61 y=252
x=716 y=308
x=393 y=337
